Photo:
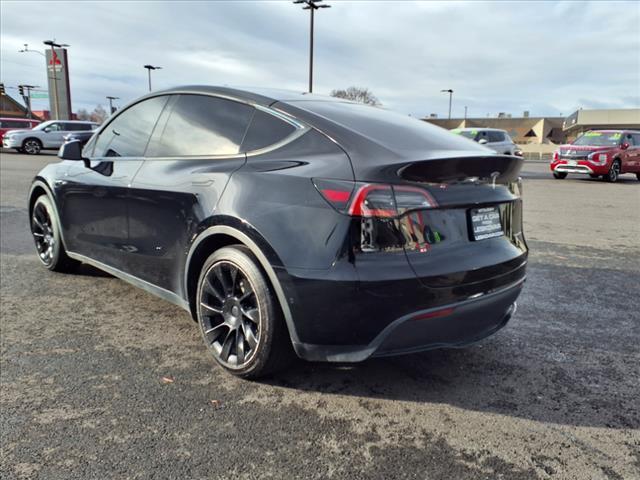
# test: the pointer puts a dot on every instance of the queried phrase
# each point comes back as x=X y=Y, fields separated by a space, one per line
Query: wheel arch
x=31 y=138
x=218 y=236
x=41 y=187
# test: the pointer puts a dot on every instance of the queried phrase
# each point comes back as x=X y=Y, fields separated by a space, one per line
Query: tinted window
x=127 y=135
x=14 y=124
x=496 y=136
x=265 y=130
x=636 y=139
x=80 y=127
x=202 y=125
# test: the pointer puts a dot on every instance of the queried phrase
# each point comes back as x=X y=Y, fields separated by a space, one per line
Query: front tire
x=559 y=175
x=45 y=229
x=614 y=172
x=31 y=146
x=239 y=318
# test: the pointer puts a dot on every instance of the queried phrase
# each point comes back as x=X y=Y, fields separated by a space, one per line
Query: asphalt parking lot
x=553 y=395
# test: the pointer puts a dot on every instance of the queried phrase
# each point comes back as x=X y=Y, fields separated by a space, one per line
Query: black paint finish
x=148 y=216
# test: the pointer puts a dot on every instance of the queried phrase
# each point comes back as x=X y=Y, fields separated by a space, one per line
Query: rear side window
x=496 y=136
x=636 y=139
x=265 y=130
x=81 y=127
x=128 y=134
x=200 y=125
x=14 y=124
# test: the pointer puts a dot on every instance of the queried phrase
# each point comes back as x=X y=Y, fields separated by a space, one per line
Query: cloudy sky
x=546 y=57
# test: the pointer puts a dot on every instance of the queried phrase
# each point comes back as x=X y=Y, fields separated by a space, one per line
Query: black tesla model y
x=283 y=220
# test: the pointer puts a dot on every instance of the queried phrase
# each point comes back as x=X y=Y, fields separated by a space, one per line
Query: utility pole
x=54 y=55
x=27 y=97
x=111 y=99
x=312 y=6
x=450 y=92
x=149 y=68
x=465 y=112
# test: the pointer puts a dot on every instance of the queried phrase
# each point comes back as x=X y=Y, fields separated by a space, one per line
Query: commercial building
x=543 y=130
x=10 y=108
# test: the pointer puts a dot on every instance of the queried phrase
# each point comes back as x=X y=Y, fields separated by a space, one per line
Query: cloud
x=545 y=57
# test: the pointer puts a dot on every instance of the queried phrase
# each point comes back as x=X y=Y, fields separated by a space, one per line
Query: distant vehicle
x=81 y=136
x=497 y=140
x=46 y=136
x=8 y=124
x=285 y=220
x=599 y=153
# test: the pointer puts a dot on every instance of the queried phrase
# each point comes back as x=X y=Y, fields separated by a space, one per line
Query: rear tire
x=240 y=319
x=559 y=175
x=638 y=176
x=614 y=172
x=45 y=229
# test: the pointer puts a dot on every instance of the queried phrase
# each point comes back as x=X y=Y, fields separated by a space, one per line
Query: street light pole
x=311 y=5
x=149 y=68
x=111 y=99
x=450 y=92
x=53 y=44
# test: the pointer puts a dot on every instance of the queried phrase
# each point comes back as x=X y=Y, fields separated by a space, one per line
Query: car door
x=191 y=156
x=92 y=196
x=53 y=135
x=631 y=156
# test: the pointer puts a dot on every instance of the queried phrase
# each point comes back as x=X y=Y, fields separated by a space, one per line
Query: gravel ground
x=553 y=395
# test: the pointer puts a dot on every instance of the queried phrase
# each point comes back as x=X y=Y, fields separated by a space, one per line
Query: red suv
x=7 y=124
x=605 y=153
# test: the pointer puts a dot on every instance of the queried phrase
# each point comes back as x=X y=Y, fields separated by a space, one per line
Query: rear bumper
x=446 y=326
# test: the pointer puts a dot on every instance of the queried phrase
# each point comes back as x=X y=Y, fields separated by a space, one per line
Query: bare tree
x=99 y=114
x=82 y=114
x=357 y=94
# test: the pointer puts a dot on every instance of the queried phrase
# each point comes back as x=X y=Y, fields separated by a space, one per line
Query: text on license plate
x=485 y=222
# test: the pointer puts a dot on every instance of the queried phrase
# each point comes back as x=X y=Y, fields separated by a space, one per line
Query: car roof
x=479 y=129
x=21 y=118
x=261 y=96
x=613 y=130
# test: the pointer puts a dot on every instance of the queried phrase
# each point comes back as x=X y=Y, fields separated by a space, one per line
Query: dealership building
x=528 y=129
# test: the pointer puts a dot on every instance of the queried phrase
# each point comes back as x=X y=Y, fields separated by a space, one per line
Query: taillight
x=373 y=200
x=556 y=156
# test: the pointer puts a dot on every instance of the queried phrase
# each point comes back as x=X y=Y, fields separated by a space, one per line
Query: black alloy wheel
x=46 y=235
x=614 y=172
x=559 y=175
x=238 y=317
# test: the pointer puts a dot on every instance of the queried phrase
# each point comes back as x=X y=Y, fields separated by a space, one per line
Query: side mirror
x=71 y=151
x=483 y=141
x=624 y=146
x=46 y=130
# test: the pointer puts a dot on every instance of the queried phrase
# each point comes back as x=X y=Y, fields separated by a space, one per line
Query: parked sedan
x=285 y=221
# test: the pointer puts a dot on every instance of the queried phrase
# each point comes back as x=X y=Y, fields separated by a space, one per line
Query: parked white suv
x=46 y=136
x=495 y=139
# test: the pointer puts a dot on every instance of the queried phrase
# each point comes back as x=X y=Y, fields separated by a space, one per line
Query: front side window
x=265 y=130
x=200 y=125
x=127 y=134
x=55 y=127
x=636 y=139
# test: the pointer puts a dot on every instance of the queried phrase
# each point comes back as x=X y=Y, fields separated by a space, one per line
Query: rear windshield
x=599 y=139
x=393 y=130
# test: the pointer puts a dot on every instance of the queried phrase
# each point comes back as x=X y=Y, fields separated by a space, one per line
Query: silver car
x=495 y=139
x=46 y=136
